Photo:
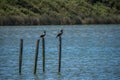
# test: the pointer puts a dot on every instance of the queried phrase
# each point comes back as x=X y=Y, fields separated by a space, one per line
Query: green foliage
x=61 y=11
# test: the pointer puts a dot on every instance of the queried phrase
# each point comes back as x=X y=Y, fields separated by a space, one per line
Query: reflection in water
x=90 y=52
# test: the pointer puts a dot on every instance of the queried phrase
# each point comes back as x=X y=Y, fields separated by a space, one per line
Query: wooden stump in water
x=36 y=56
x=20 y=56
x=59 y=54
x=43 y=53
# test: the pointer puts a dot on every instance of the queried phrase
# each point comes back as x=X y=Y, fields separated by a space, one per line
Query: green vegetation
x=37 y=12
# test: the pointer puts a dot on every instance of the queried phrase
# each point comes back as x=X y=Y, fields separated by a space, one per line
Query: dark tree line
x=110 y=3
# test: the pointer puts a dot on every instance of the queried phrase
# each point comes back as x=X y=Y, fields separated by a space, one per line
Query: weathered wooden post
x=59 y=53
x=20 y=56
x=43 y=53
x=36 y=56
x=60 y=50
x=43 y=50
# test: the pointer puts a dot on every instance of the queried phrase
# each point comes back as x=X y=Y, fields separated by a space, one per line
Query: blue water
x=89 y=52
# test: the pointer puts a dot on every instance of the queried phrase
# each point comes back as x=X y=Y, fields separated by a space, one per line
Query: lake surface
x=89 y=52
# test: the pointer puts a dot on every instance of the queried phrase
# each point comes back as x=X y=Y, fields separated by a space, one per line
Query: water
x=89 y=52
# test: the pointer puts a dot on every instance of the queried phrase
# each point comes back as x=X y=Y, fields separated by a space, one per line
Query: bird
x=60 y=33
x=43 y=35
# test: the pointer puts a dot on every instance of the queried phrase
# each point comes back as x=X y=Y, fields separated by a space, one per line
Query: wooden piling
x=36 y=56
x=59 y=54
x=43 y=54
x=20 y=56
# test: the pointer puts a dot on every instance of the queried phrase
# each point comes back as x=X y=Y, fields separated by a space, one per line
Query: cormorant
x=60 y=33
x=43 y=35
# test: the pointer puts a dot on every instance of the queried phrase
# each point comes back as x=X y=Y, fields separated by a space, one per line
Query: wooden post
x=59 y=54
x=36 y=56
x=20 y=56
x=43 y=53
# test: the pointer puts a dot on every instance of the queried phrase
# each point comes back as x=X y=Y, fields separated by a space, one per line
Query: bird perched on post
x=60 y=33
x=43 y=35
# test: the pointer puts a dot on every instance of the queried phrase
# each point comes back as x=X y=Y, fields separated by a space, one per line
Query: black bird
x=60 y=33
x=43 y=35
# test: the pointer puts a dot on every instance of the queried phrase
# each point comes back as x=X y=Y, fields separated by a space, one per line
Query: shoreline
x=33 y=20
